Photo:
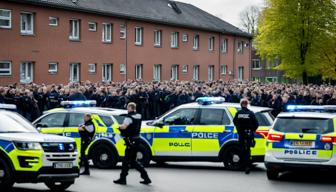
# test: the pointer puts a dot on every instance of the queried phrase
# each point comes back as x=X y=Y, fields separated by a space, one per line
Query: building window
x=27 y=23
x=53 y=68
x=107 y=72
x=174 y=40
x=240 y=73
x=5 y=18
x=223 y=69
x=196 y=72
x=138 y=71
x=185 y=69
x=240 y=46
x=92 y=68
x=185 y=38
x=5 y=68
x=256 y=79
x=256 y=64
x=211 y=71
x=74 y=29
x=74 y=72
x=211 y=44
x=107 y=33
x=196 y=42
x=138 y=35
x=122 y=69
x=92 y=26
x=224 y=46
x=122 y=31
x=26 y=72
x=157 y=72
x=157 y=38
x=53 y=21
x=271 y=79
x=174 y=72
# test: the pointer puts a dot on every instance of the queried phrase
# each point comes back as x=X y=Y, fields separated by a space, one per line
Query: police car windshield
x=304 y=125
x=13 y=123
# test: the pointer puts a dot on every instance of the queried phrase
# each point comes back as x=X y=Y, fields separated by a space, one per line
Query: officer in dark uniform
x=130 y=130
x=246 y=124
x=86 y=131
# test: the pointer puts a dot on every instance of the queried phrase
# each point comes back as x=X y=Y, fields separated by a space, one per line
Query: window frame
x=71 y=72
x=123 y=30
x=105 y=71
x=185 y=38
x=95 y=68
x=52 y=72
x=211 y=43
x=157 y=72
x=174 y=40
x=9 y=18
x=224 y=45
x=139 y=74
x=240 y=47
x=196 y=42
x=107 y=32
x=74 y=35
x=122 y=69
x=194 y=72
x=29 y=64
x=26 y=31
x=211 y=72
x=53 y=18
x=185 y=69
x=253 y=64
x=9 y=69
x=157 y=38
x=174 y=72
x=95 y=26
x=138 y=36
x=224 y=69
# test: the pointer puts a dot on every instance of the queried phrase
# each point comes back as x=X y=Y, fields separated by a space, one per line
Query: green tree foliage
x=301 y=33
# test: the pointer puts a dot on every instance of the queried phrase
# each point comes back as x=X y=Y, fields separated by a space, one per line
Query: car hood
x=35 y=137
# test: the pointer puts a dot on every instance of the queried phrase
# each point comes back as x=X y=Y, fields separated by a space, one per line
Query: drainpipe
x=234 y=58
x=219 y=56
x=126 y=50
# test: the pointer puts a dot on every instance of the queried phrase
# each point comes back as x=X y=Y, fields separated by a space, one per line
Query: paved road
x=203 y=177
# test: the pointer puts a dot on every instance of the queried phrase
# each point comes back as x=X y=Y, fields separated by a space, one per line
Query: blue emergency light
x=210 y=100
x=311 y=108
x=73 y=104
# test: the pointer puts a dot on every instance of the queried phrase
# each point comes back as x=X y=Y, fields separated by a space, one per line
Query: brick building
x=48 y=41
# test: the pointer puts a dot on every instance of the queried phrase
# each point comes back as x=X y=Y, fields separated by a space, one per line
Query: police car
x=27 y=156
x=107 y=147
x=304 y=137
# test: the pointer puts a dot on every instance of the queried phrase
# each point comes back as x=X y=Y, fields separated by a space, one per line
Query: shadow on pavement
x=313 y=177
x=20 y=189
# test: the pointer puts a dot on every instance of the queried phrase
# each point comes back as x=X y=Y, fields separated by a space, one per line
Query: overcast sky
x=227 y=10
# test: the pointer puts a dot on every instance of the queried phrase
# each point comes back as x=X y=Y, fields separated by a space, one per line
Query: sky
x=227 y=10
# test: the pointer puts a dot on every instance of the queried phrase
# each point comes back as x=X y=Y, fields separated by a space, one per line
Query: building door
x=26 y=72
x=240 y=73
x=74 y=72
x=107 y=72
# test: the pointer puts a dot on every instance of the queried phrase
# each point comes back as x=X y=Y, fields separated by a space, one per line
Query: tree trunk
x=304 y=77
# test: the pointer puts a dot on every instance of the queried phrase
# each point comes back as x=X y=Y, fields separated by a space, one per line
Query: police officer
x=86 y=131
x=246 y=124
x=130 y=130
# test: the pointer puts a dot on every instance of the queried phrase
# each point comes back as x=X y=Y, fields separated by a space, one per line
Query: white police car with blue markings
x=302 y=140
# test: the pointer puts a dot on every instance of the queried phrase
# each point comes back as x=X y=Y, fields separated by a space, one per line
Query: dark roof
x=156 y=11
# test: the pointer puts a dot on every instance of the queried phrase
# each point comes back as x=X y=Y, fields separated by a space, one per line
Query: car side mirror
x=40 y=125
x=158 y=124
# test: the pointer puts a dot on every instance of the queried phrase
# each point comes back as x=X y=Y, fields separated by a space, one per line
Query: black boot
x=86 y=172
x=120 y=181
x=146 y=180
x=247 y=170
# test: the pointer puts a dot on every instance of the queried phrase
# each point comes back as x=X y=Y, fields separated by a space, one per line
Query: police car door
x=174 y=138
x=73 y=121
x=52 y=123
x=213 y=129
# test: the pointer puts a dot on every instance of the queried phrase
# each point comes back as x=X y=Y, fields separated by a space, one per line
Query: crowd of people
x=155 y=98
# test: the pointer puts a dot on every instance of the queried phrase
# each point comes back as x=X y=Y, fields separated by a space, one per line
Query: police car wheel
x=103 y=157
x=232 y=158
x=6 y=175
x=272 y=175
x=58 y=186
x=143 y=156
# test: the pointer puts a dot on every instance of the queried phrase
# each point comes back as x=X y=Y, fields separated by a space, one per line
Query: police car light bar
x=71 y=104
x=8 y=106
x=311 y=108
x=210 y=100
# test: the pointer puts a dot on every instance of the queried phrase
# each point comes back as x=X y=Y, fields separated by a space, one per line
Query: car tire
x=232 y=158
x=103 y=157
x=272 y=175
x=59 y=186
x=6 y=175
x=143 y=155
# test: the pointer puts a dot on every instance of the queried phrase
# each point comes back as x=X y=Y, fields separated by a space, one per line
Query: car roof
x=307 y=115
x=223 y=105
x=97 y=110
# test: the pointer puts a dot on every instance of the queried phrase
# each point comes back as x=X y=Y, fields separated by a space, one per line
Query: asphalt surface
x=207 y=177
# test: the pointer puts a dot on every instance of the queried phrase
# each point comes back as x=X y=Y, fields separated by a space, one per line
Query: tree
x=301 y=33
x=249 y=19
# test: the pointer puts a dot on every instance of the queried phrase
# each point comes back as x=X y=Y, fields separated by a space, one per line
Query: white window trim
x=241 y=75
x=157 y=74
x=24 y=81
x=240 y=49
x=73 y=35
x=8 y=69
x=122 y=69
x=194 y=72
x=196 y=42
x=52 y=71
x=123 y=31
x=95 y=68
x=104 y=35
x=211 y=72
x=140 y=40
x=138 y=74
x=185 y=69
x=185 y=38
x=211 y=43
x=157 y=38
x=95 y=26
x=105 y=72
x=27 y=32
x=256 y=68
x=223 y=72
x=174 y=40
x=71 y=72
x=7 y=18
x=174 y=72
x=52 y=24
x=224 y=45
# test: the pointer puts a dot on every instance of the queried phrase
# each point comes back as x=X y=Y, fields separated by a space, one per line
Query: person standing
x=130 y=130
x=86 y=131
x=246 y=124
